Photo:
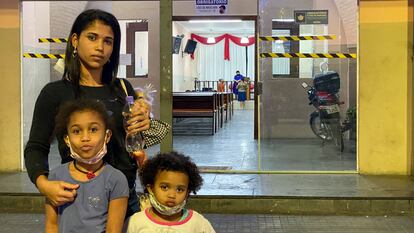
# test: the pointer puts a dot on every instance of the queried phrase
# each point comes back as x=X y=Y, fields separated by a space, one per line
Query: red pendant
x=90 y=175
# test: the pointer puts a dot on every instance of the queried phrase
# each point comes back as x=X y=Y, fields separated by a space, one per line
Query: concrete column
x=10 y=96
x=166 y=69
x=385 y=87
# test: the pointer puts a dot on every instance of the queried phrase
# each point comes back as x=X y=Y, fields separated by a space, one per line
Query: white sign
x=211 y=7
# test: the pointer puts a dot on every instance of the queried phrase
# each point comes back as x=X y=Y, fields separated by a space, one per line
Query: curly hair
x=172 y=161
x=67 y=109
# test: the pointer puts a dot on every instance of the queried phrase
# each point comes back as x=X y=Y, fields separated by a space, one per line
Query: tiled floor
x=233 y=146
x=310 y=224
x=239 y=223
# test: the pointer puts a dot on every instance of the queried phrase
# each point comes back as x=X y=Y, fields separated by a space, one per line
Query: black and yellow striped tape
x=308 y=55
x=263 y=38
x=43 y=55
x=297 y=38
x=53 y=40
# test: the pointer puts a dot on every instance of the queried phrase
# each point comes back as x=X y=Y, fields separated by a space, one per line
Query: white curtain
x=211 y=65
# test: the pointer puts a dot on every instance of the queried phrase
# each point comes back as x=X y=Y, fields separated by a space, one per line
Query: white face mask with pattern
x=163 y=209
x=95 y=159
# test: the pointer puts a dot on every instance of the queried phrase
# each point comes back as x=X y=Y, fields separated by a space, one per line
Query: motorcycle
x=325 y=121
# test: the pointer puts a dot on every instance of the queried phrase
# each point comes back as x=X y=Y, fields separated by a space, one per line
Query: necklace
x=89 y=175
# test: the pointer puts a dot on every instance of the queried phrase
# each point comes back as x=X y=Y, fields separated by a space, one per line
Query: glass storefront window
x=291 y=135
x=308 y=127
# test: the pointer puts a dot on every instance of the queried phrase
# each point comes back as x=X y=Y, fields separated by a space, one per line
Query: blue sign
x=211 y=2
x=211 y=7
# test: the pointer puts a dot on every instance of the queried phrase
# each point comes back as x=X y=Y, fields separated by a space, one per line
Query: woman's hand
x=57 y=192
x=139 y=120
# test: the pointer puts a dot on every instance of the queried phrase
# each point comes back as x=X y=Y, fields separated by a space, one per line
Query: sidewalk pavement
x=240 y=223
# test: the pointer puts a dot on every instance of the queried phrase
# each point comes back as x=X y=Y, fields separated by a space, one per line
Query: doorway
x=223 y=46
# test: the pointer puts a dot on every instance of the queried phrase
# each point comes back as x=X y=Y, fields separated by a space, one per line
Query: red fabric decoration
x=237 y=40
x=203 y=40
x=227 y=38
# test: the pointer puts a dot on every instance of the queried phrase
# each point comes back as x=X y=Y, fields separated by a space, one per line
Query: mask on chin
x=93 y=160
x=163 y=209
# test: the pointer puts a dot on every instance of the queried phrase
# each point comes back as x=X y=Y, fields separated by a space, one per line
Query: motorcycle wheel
x=329 y=129
x=319 y=128
x=337 y=135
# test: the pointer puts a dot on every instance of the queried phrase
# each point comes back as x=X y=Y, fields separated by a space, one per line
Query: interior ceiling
x=243 y=28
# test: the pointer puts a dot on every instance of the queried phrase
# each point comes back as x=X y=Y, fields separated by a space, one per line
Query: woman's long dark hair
x=72 y=63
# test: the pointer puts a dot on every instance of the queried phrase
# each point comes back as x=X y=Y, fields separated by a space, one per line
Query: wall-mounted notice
x=311 y=16
x=211 y=7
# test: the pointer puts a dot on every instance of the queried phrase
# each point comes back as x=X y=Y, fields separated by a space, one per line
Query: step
x=13 y=203
x=314 y=194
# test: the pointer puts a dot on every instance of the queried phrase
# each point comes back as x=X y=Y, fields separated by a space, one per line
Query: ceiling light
x=216 y=21
x=211 y=40
x=244 y=40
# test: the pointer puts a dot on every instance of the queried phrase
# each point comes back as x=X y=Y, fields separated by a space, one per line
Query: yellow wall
x=10 y=123
x=385 y=95
x=411 y=81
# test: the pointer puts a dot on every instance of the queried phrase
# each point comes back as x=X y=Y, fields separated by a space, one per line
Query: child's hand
x=58 y=192
x=139 y=120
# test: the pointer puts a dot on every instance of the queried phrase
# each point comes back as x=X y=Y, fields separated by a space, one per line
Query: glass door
x=307 y=69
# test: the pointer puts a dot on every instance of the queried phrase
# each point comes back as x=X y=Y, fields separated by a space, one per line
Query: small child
x=169 y=178
x=221 y=86
x=102 y=195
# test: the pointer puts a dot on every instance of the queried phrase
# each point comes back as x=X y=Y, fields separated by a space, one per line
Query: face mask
x=98 y=157
x=165 y=210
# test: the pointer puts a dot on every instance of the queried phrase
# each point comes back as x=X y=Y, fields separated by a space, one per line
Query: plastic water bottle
x=133 y=142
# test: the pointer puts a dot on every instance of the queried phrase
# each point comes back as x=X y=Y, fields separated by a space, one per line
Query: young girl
x=102 y=197
x=169 y=179
x=91 y=65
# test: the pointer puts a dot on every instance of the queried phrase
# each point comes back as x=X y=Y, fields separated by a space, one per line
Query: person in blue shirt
x=237 y=78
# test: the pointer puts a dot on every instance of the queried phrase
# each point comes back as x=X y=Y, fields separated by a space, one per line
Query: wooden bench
x=228 y=104
x=196 y=105
x=220 y=107
x=224 y=100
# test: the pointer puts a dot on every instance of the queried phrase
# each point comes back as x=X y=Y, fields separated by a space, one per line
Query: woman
x=91 y=65
x=242 y=87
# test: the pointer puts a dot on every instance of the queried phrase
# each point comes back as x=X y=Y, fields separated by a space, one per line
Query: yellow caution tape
x=43 y=55
x=53 y=40
x=308 y=55
x=297 y=38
